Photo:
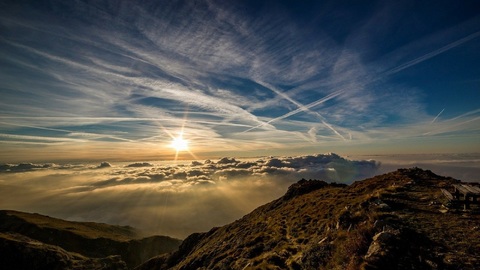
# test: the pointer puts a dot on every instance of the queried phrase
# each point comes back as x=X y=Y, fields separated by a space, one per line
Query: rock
x=383 y=237
x=303 y=187
x=379 y=244
x=373 y=250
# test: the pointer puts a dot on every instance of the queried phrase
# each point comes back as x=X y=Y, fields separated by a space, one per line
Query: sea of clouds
x=163 y=197
x=179 y=199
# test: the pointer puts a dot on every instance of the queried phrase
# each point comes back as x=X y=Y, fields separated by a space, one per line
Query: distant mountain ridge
x=392 y=221
x=74 y=245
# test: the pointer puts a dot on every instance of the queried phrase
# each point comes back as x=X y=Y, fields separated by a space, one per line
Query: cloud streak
x=130 y=72
x=433 y=53
x=434 y=119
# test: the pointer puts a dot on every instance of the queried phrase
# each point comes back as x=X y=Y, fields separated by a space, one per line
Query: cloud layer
x=167 y=199
x=178 y=199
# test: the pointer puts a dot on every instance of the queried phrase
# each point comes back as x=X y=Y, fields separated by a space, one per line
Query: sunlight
x=179 y=144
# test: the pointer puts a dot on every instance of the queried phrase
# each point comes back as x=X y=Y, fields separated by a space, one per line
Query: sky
x=119 y=80
x=254 y=95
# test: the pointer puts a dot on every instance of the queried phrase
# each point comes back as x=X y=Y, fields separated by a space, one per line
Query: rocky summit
x=399 y=220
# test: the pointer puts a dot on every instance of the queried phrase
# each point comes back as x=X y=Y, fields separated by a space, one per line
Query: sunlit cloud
x=189 y=195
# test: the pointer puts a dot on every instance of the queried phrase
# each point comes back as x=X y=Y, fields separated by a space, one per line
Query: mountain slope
x=21 y=252
x=390 y=221
x=60 y=239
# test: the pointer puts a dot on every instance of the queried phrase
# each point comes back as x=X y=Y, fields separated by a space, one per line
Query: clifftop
x=371 y=224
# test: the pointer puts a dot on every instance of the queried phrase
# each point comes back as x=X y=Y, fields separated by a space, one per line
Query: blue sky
x=89 y=80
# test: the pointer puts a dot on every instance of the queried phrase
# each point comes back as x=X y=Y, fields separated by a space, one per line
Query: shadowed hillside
x=397 y=220
x=43 y=242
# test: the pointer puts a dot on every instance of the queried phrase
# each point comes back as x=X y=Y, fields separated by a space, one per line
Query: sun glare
x=179 y=144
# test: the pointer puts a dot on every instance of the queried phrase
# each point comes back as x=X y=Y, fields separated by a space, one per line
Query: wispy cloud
x=131 y=72
x=451 y=124
x=433 y=53
x=434 y=119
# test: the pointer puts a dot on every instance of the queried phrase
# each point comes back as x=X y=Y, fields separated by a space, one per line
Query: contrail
x=39 y=138
x=303 y=108
x=306 y=108
x=389 y=72
x=81 y=133
x=434 y=53
x=465 y=114
x=331 y=128
x=437 y=116
x=450 y=128
x=118 y=119
x=281 y=94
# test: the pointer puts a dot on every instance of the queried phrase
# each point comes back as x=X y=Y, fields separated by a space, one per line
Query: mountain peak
x=370 y=224
x=303 y=187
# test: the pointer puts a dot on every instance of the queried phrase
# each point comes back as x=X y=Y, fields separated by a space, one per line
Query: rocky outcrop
x=303 y=187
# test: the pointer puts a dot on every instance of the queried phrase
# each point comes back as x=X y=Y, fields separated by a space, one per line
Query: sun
x=179 y=144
